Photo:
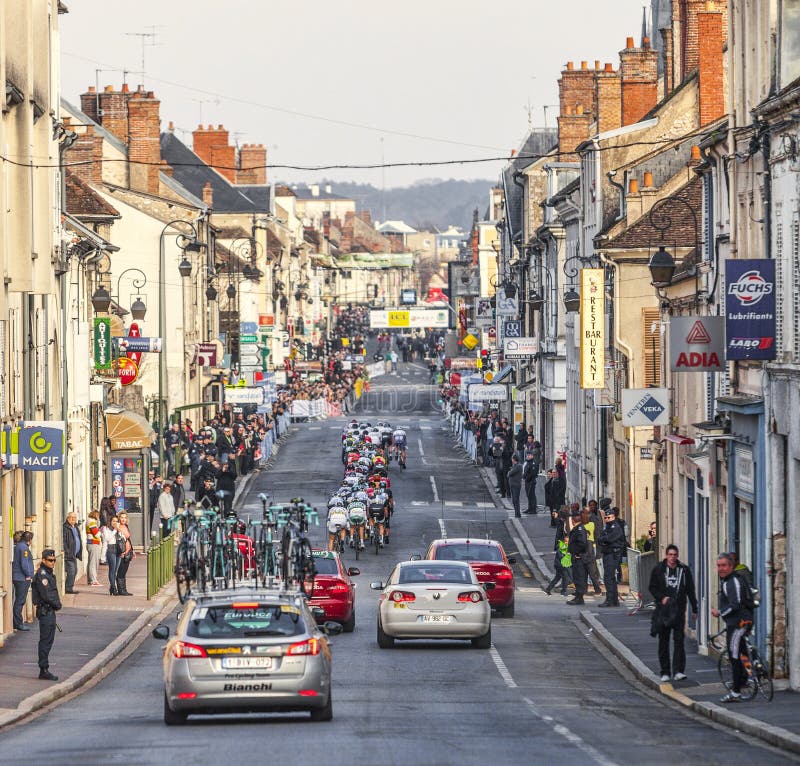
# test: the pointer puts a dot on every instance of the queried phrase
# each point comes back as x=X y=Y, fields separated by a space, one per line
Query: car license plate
x=264 y=663
x=436 y=618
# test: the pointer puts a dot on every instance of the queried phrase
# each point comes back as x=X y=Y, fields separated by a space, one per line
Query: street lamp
x=211 y=292
x=185 y=267
x=662 y=267
x=101 y=300
x=572 y=301
x=138 y=309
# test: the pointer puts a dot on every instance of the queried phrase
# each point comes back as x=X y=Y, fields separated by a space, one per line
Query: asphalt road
x=542 y=694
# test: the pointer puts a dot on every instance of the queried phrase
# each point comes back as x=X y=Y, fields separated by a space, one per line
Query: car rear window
x=434 y=573
x=236 y=622
x=326 y=566
x=471 y=552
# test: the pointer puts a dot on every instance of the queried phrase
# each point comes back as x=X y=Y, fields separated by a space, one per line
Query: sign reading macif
x=750 y=309
x=592 y=329
x=697 y=344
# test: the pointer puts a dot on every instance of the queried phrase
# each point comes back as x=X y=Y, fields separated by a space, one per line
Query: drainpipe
x=623 y=199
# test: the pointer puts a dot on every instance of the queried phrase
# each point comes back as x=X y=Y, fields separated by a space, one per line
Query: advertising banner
x=491 y=393
x=592 y=329
x=102 y=343
x=750 y=309
x=697 y=344
x=484 y=313
x=411 y=318
x=519 y=347
x=645 y=407
x=40 y=445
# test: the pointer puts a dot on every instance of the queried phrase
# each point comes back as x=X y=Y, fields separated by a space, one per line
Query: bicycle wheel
x=762 y=677
x=306 y=571
x=376 y=539
x=357 y=544
x=725 y=670
x=183 y=572
x=286 y=542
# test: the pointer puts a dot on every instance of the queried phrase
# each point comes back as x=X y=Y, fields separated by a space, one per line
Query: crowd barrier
x=376 y=368
x=308 y=408
x=267 y=445
x=465 y=436
x=640 y=567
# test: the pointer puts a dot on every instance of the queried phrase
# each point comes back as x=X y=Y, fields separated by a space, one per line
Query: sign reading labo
x=37 y=445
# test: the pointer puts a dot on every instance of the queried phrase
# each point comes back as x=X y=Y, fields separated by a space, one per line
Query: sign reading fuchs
x=592 y=329
x=645 y=407
x=750 y=309
x=697 y=344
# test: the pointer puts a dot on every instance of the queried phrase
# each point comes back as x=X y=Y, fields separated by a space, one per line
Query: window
x=651 y=346
x=468 y=552
x=237 y=622
x=790 y=41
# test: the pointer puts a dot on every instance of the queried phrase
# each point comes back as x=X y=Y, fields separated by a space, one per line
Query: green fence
x=160 y=565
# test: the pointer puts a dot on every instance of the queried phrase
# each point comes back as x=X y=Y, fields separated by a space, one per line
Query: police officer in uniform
x=611 y=541
x=580 y=550
x=45 y=598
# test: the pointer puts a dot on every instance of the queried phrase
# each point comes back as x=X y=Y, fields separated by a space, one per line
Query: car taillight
x=311 y=646
x=403 y=595
x=183 y=651
x=504 y=574
x=471 y=595
x=337 y=587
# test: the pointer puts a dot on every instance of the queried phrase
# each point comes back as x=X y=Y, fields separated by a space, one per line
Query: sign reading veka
x=697 y=344
x=645 y=407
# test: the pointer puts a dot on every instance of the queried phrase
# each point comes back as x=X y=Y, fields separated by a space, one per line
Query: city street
x=543 y=694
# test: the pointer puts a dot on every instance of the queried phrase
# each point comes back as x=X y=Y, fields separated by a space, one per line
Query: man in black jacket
x=671 y=584
x=514 y=483
x=72 y=540
x=44 y=594
x=579 y=548
x=611 y=541
x=529 y=472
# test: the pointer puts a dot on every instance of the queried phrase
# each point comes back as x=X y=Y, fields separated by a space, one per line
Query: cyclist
x=386 y=435
x=337 y=524
x=378 y=515
x=399 y=443
x=357 y=516
x=736 y=609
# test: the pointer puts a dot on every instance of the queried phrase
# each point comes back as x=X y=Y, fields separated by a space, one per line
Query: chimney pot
x=567 y=109
x=584 y=65
x=219 y=127
x=596 y=64
x=645 y=42
x=648 y=180
x=125 y=88
x=150 y=94
x=629 y=43
x=171 y=126
x=633 y=186
x=109 y=89
x=211 y=127
x=90 y=89
x=696 y=157
x=579 y=109
x=570 y=65
x=609 y=67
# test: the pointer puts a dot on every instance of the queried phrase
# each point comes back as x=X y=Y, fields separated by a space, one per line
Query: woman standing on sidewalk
x=93 y=546
x=110 y=535
x=125 y=554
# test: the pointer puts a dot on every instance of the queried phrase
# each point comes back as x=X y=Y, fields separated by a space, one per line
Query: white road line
x=315 y=428
x=426 y=428
x=442 y=528
x=453 y=503
x=420 y=502
x=424 y=461
x=419 y=444
x=501 y=668
x=435 y=491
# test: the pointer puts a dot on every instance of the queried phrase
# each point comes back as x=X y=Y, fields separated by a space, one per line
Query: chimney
x=89 y=103
x=711 y=42
x=573 y=129
x=639 y=72
x=144 y=147
x=88 y=149
x=608 y=97
x=686 y=32
x=113 y=114
x=667 y=46
x=576 y=86
x=252 y=164
x=204 y=138
x=208 y=194
x=314 y=188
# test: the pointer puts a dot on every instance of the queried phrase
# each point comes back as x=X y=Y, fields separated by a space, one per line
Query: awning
x=679 y=439
x=128 y=430
x=503 y=374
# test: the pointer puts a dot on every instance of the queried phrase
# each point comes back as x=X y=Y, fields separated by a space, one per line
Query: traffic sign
x=519 y=347
x=248 y=327
x=248 y=338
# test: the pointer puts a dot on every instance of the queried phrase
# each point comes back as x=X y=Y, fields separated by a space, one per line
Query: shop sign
x=496 y=392
x=40 y=445
x=697 y=344
x=484 y=313
x=102 y=343
x=592 y=329
x=750 y=308
x=645 y=407
x=127 y=370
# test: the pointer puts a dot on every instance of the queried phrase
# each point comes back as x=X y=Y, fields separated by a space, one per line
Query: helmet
x=379 y=461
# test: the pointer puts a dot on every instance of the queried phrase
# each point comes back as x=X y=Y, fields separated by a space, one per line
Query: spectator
x=73 y=551
x=178 y=493
x=109 y=535
x=93 y=545
x=125 y=554
x=529 y=472
x=650 y=540
x=166 y=508
x=514 y=482
x=555 y=490
x=22 y=571
x=562 y=563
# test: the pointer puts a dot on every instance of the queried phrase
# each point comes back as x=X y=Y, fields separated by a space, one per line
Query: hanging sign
x=592 y=329
x=645 y=407
x=127 y=370
x=750 y=309
x=133 y=332
x=697 y=344
x=102 y=343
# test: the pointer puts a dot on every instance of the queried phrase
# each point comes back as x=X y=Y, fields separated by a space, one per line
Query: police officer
x=47 y=602
x=611 y=541
x=580 y=550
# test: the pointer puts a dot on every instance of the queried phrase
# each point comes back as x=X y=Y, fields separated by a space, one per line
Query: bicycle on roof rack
x=296 y=559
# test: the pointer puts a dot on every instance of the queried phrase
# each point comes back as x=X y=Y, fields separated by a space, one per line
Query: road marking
x=435 y=491
x=501 y=668
x=442 y=528
x=420 y=502
x=315 y=428
x=454 y=503
x=426 y=428
x=424 y=461
x=421 y=451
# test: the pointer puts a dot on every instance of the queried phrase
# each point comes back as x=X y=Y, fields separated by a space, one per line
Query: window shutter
x=651 y=347
x=795 y=288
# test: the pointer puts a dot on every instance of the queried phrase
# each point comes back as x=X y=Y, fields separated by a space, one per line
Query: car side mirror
x=378 y=585
x=512 y=559
x=415 y=557
x=353 y=571
x=489 y=586
x=161 y=632
x=332 y=628
x=318 y=612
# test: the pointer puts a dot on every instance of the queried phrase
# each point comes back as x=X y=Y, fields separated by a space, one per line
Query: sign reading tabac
x=592 y=329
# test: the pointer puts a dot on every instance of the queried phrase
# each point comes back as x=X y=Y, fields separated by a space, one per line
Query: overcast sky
x=416 y=81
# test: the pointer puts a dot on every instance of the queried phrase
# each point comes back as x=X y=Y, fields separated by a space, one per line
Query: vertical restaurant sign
x=592 y=326
x=102 y=343
x=750 y=309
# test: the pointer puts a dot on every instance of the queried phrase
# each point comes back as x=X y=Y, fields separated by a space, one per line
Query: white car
x=433 y=600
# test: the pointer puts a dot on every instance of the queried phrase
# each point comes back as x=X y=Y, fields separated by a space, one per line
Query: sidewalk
x=628 y=638
x=96 y=629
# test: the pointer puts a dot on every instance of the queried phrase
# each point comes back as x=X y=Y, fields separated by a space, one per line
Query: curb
x=773 y=735
x=130 y=638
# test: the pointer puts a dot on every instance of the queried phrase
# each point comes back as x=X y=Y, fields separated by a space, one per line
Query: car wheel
x=384 y=641
x=484 y=641
x=506 y=611
x=171 y=717
x=324 y=713
x=349 y=625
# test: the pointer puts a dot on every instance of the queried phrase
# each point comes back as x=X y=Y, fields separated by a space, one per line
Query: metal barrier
x=160 y=564
x=640 y=567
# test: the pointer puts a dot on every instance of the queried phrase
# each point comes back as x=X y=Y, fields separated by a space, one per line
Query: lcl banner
x=750 y=309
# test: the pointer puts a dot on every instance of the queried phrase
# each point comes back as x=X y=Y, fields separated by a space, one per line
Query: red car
x=334 y=591
x=489 y=562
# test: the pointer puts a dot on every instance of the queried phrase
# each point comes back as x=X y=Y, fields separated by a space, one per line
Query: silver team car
x=247 y=651
x=433 y=599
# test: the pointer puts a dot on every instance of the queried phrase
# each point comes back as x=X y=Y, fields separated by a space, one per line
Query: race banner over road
x=750 y=309
x=410 y=318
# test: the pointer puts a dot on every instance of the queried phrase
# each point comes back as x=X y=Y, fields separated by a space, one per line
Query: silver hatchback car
x=247 y=651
